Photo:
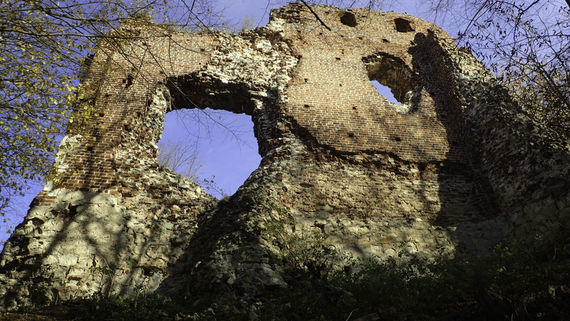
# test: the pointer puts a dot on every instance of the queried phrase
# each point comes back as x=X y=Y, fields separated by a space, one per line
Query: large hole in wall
x=215 y=148
x=394 y=80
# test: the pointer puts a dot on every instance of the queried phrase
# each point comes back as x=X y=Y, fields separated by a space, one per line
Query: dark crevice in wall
x=128 y=81
x=196 y=91
x=429 y=59
x=403 y=25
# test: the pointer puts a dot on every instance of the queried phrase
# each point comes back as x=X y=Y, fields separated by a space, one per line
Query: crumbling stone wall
x=454 y=165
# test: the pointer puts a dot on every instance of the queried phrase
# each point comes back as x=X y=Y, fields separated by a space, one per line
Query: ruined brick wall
x=453 y=165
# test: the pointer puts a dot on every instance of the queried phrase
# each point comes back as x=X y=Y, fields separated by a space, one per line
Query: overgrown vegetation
x=514 y=283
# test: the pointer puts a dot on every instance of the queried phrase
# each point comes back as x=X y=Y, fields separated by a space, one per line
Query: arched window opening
x=215 y=148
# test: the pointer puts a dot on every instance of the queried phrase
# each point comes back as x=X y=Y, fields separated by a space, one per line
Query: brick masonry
x=453 y=166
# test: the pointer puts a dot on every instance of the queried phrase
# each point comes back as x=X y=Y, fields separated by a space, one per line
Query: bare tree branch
x=316 y=15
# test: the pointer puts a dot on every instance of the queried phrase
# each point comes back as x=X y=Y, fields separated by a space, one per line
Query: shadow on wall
x=84 y=226
x=466 y=193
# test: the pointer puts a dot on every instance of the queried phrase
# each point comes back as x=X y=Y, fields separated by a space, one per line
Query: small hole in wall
x=385 y=91
x=215 y=148
x=403 y=25
x=128 y=81
x=348 y=19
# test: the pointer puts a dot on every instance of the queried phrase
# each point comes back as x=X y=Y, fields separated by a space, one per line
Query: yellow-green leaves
x=41 y=45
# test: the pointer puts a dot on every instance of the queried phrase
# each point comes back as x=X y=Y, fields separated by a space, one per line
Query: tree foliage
x=527 y=45
x=32 y=91
x=42 y=43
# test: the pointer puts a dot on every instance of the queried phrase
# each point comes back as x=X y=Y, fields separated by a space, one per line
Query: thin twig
x=348 y=318
x=316 y=15
x=473 y=19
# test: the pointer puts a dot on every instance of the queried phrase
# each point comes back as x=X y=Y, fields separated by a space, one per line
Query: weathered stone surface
x=343 y=170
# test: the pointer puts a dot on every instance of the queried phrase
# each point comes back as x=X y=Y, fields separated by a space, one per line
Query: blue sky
x=226 y=154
